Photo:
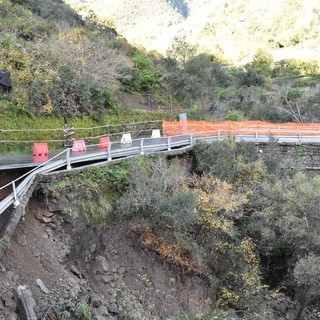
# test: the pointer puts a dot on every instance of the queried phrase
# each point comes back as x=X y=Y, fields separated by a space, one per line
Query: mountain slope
x=233 y=29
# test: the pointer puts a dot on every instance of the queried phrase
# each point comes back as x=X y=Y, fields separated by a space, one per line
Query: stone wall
x=304 y=155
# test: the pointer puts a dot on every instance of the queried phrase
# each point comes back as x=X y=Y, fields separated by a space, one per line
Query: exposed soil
x=104 y=266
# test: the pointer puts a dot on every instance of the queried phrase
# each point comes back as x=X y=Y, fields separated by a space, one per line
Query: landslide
x=106 y=268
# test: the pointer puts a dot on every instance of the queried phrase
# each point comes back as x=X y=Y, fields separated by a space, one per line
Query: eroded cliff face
x=105 y=267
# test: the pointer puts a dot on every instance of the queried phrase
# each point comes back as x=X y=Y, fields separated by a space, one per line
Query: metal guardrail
x=117 y=150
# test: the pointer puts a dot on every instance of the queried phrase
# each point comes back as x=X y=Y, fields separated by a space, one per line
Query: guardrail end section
x=16 y=203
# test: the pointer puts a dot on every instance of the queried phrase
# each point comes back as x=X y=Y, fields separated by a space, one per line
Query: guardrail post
x=68 y=159
x=300 y=137
x=191 y=139
x=15 y=197
x=218 y=135
x=169 y=143
x=109 y=152
x=141 y=147
x=257 y=136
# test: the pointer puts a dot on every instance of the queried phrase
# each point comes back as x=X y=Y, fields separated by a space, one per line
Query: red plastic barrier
x=37 y=159
x=104 y=143
x=40 y=149
x=79 y=146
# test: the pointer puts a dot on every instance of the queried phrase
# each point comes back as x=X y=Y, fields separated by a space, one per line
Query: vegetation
x=66 y=70
x=77 y=310
x=5 y=243
x=239 y=219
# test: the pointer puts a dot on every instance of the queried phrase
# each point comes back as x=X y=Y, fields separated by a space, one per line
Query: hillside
x=222 y=232
x=100 y=271
x=227 y=231
x=71 y=68
x=233 y=30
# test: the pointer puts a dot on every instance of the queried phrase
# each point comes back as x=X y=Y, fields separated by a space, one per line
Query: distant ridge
x=231 y=30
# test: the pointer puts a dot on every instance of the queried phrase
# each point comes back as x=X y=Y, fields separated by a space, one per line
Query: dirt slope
x=105 y=267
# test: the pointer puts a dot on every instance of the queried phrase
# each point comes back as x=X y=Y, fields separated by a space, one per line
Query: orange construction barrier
x=225 y=128
x=104 y=143
x=40 y=149
x=78 y=146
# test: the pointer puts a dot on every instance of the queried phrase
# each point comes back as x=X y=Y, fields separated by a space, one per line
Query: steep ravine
x=105 y=267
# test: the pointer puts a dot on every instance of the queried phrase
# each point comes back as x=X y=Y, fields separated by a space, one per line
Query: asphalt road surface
x=119 y=150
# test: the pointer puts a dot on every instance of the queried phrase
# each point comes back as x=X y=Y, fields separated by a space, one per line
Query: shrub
x=293 y=67
x=307 y=278
x=251 y=78
x=5 y=243
x=181 y=50
x=262 y=63
x=221 y=93
x=270 y=113
x=217 y=202
x=291 y=95
x=58 y=11
x=77 y=310
x=70 y=94
x=144 y=75
x=157 y=194
x=39 y=100
x=234 y=115
x=224 y=159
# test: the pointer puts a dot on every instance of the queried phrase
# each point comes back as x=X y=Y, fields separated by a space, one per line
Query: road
x=138 y=146
x=117 y=150
x=68 y=159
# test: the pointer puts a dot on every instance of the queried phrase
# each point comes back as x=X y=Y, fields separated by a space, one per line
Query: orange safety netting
x=208 y=128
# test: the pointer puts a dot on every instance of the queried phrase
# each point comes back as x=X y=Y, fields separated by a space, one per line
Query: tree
x=70 y=94
x=158 y=196
x=144 y=74
x=307 y=279
x=262 y=63
x=90 y=58
x=282 y=218
x=218 y=203
x=181 y=50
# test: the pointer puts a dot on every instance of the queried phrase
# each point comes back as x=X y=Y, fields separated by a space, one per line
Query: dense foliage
x=236 y=216
x=63 y=65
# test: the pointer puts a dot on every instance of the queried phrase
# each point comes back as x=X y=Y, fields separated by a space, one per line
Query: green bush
x=224 y=159
x=144 y=75
x=73 y=310
x=262 y=63
x=27 y=26
x=39 y=100
x=234 y=115
x=221 y=93
x=156 y=194
x=291 y=95
x=251 y=78
x=270 y=113
x=70 y=94
x=5 y=243
x=293 y=67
